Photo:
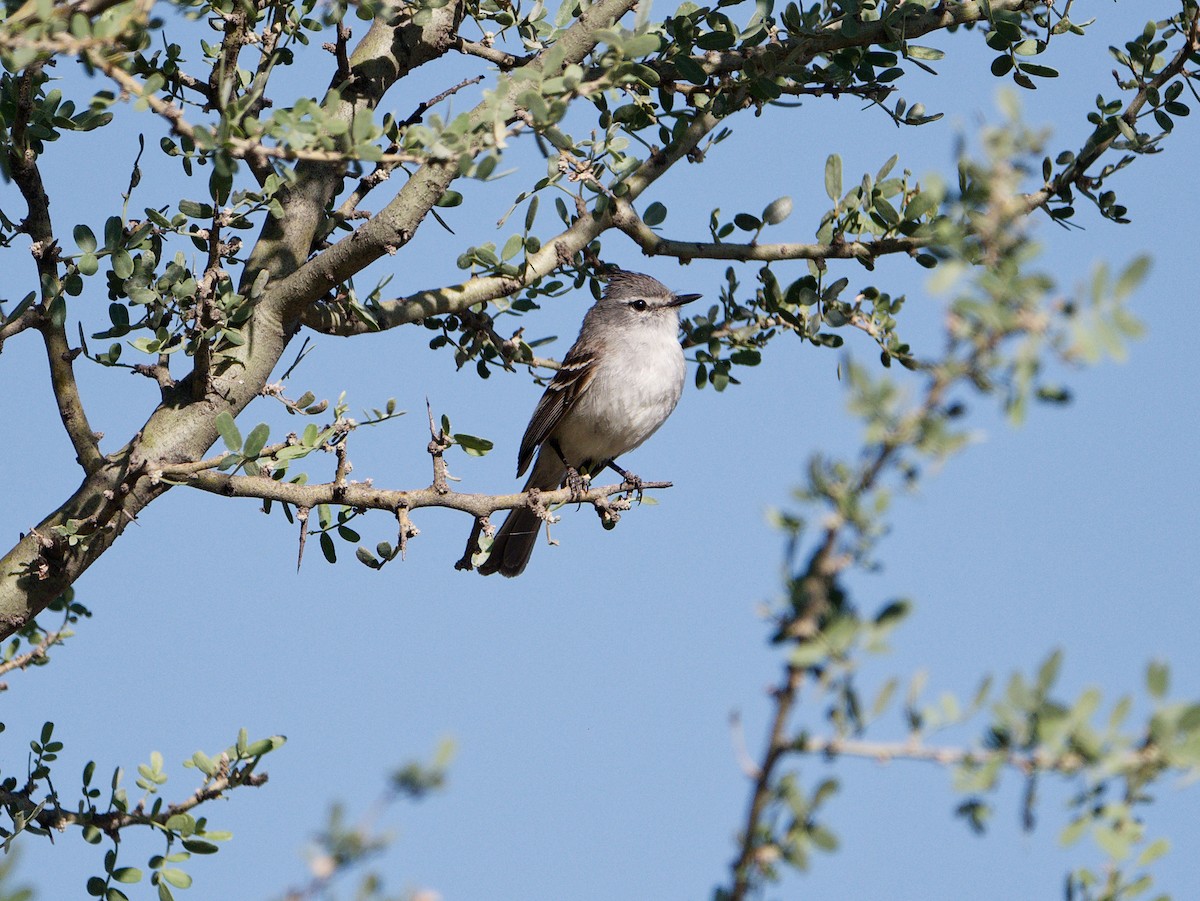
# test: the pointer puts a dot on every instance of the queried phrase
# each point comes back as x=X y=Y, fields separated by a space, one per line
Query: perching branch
x=362 y=495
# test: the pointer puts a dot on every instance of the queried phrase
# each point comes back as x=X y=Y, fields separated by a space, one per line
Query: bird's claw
x=633 y=483
x=576 y=483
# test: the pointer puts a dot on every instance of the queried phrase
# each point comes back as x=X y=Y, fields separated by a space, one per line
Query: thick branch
x=386 y=54
x=44 y=563
x=481 y=289
x=396 y=223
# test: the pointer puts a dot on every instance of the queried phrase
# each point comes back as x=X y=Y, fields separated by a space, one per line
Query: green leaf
x=122 y=264
x=823 y=838
x=228 y=430
x=929 y=53
x=746 y=222
x=204 y=763
x=1113 y=843
x=777 y=210
x=1040 y=71
x=1048 y=671
x=114 y=232
x=194 y=210
x=690 y=69
x=1153 y=852
x=512 y=247
x=177 y=877
x=197 y=846
x=256 y=439
x=1073 y=831
x=128 y=875
x=58 y=311
x=922 y=204
x=655 y=214
x=183 y=823
x=85 y=239
x=21 y=307
x=833 y=177
x=531 y=213
x=327 y=548
x=715 y=40
x=476 y=447
x=1131 y=277
x=1158 y=678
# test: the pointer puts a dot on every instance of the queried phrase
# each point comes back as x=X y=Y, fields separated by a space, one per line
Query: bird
x=616 y=386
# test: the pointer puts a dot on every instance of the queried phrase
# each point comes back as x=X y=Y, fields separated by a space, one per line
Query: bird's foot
x=577 y=483
x=631 y=483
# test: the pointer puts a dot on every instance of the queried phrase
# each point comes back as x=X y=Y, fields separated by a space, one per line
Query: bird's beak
x=681 y=299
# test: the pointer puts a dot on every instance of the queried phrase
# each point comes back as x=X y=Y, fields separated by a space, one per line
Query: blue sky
x=589 y=699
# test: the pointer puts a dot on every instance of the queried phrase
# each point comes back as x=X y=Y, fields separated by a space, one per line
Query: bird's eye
x=639 y=305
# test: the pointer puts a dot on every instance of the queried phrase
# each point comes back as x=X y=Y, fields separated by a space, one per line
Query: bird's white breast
x=634 y=390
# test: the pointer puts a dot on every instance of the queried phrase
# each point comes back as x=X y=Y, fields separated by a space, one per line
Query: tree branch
x=914 y=21
x=50 y=313
x=38 y=651
x=334 y=320
x=27 y=319
x=386 y=54
x=383 y=169
x=627 y=220
x=66 y=395
x=1068 y=762
x=250 y=150
x=112 y=822
x=393 y=226
x=504 y=60
x=1075 y=173
x=364 y=496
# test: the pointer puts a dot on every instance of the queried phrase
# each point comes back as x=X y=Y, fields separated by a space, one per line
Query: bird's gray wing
x=567 y=386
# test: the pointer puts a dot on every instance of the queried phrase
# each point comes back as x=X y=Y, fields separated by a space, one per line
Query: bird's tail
x=516 y=537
